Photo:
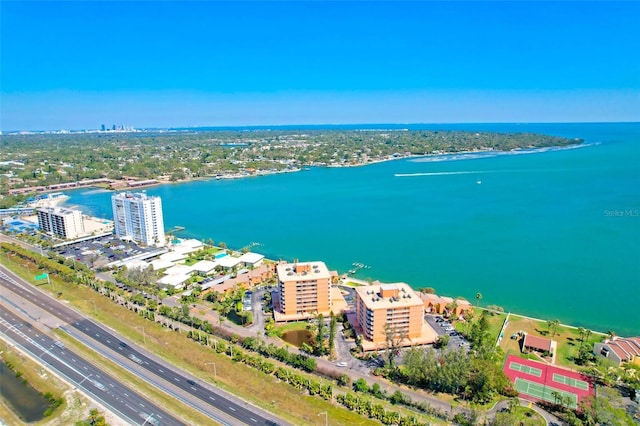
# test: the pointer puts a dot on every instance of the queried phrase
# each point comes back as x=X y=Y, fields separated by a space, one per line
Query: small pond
x=24 y=400
x=297 y=337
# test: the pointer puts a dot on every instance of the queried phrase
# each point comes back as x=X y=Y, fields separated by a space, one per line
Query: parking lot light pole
x=144 y=337
x=215 y=374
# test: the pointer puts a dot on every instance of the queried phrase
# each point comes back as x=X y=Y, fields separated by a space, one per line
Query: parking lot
x=442 y=326
x=102 y=251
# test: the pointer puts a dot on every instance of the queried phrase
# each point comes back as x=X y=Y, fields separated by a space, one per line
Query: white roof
x=228 y=261
x=174 y=280
x=183 y=249
x=161 y=264
x=179 y=270
x=251 y=258
x=136 y=264
x=193 y=243
x=172 y=256
x=204 y=266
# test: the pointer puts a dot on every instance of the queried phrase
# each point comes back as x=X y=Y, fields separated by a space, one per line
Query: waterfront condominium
x=61 y=222
x=138 y=217
x=304 y=289
x=389 y=308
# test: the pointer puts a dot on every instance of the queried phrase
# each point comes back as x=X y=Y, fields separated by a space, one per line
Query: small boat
x=479 y=182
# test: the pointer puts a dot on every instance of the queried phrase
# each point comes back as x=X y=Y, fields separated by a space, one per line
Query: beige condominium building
x=304 y=289
x=61 y=222
x=396 y=305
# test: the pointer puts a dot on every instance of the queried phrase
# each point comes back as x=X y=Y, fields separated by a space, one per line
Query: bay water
x=551 y=233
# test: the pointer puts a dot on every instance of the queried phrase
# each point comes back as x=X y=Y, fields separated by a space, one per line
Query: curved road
x=215 y=403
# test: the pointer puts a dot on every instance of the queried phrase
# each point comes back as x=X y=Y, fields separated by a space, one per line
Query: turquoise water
x=552 y=234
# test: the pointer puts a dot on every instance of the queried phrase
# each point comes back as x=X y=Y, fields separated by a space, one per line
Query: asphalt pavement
x=122 y=401
x=217 y=404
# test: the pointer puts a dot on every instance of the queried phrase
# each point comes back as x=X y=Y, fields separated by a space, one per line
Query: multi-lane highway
x=119 y=399
x=218 y=405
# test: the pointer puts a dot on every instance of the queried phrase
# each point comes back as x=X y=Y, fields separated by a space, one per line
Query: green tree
x=361 y=385
x=552 y=325
x=393 y=341
x=332 y=333
x=478 y=298
x=319 y=338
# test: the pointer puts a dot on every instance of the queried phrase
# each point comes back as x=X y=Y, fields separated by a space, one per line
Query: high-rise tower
x=139 y=218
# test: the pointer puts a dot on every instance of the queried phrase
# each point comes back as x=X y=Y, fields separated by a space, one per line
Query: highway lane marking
x=125 y=394
x=14 y=282
x=232 y=409
x=253 y=420
x=193 y=388
x=160 y=370
x=176 y=379
x=212 y=398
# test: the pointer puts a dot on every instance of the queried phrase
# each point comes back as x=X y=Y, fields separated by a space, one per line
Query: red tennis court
x=539 y=381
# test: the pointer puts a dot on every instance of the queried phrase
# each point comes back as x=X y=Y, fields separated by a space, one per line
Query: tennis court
x=543 y=392
x=569 y=381
x=516 y=366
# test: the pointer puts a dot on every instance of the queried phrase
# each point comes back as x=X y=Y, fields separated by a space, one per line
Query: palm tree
x=581 y=332
x=478 y=297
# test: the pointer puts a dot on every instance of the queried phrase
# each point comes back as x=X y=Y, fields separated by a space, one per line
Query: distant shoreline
x=531 y=150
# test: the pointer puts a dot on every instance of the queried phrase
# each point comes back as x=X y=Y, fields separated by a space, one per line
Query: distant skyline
x=77 y=65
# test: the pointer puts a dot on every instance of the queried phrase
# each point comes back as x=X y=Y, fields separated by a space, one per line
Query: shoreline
x=132 y=185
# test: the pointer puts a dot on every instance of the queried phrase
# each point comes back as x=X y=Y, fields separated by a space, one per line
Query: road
x=213 y=402
x=119 y=399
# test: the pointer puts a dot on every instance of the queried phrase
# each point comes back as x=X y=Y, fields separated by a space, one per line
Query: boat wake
x=467 y=172
x=490 y=154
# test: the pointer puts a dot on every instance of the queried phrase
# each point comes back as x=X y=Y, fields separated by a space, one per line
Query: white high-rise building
x=139 y=218
x=61 y=222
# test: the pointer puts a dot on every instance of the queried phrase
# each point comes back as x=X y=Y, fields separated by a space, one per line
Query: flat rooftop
x=57 y=210
x=385 y=296
x=302 y=271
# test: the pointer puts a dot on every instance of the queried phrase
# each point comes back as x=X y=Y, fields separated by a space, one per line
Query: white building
x=205 y=267
x=139 y=218
x=252 y=259
x=61 y=222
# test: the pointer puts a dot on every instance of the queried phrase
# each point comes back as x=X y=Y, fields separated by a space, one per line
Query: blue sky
x=76 y=65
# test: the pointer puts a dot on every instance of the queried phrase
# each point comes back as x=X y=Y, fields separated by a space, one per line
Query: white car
x=341 y=364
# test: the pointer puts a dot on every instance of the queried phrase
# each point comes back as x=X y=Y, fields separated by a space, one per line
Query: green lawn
x=495 y=323
x=568 y=338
